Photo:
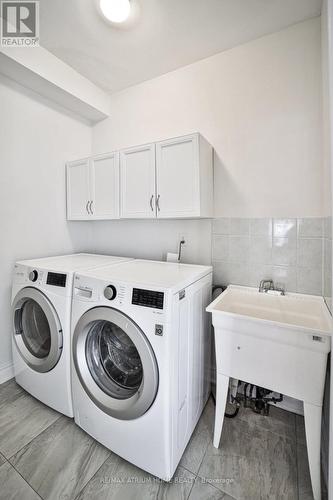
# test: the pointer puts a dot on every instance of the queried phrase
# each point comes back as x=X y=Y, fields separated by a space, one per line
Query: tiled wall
x=289 y=251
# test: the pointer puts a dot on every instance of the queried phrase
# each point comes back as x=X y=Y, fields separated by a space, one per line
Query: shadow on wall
x=223 y=177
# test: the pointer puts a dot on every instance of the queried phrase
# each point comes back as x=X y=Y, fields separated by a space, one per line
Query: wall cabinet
x=168 y=179
x=78 y=189
x=93 y=188
x=184 y=177
x=137 y=182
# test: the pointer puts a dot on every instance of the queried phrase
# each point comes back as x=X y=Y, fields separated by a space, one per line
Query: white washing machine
x=141 y=351
x=41 y=310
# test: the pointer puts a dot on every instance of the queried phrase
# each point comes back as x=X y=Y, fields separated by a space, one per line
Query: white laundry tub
x=279 y=342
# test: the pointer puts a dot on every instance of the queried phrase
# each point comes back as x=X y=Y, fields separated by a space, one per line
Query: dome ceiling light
x=115 y=11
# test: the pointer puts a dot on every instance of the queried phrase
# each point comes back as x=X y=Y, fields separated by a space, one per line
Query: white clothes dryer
x=41 y=312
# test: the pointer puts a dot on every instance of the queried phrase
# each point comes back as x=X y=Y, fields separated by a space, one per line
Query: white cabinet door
x=178 y=177
x=137 y=182
x=78 y=189
x=105 y=186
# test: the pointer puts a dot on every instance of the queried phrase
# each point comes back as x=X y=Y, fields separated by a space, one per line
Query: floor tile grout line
x=188 y=470
x=38 y=435
x=211 y=431
x=203 y=457
x=92 y=477
x=19 y=473
x=192 y=486
x=296 y=441
x=291 y=440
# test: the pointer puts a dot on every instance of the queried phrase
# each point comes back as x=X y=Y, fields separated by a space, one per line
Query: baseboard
x=6 y=372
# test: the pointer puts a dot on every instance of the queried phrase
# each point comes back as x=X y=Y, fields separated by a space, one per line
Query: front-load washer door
x=37 y=330
x=115 y=363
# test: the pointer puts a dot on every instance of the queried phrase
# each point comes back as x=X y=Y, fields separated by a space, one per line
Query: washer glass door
x=113 y=360
x=37 y=330
x=115 y=363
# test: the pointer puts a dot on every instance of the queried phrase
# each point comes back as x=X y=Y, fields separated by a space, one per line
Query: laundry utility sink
x=292 y=312
x=279 y=342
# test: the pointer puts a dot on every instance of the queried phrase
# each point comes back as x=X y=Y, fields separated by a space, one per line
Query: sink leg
x=222 y=386
x=312 y=417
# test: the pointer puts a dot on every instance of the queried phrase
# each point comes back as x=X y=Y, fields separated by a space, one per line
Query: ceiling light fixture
x=116 y=11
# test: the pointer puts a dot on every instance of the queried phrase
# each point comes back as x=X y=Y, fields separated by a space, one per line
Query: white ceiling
x=167 y=34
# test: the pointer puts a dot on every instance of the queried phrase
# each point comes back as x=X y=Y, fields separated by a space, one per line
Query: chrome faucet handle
x=280 y=288
x=266 y=285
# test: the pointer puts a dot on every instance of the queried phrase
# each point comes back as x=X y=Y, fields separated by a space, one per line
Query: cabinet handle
x=151 y=203
x=87 y=207
x=158 y=203
x=90 y=208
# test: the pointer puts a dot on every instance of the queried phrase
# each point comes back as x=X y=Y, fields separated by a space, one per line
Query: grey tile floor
x=45 y=455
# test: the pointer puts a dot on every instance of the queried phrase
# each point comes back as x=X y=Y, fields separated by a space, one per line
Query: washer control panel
x=147 y=298
x=56 y=279
x=33 y=275
x=110 y=292
x=159 y=330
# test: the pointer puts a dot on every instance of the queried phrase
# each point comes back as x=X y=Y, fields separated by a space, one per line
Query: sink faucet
x=266 y=286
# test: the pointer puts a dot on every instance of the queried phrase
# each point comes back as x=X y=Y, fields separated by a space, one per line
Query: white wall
x=258 y=104
x=327 y=69
x=153 y=239
x=327 y=73
x=35 y=142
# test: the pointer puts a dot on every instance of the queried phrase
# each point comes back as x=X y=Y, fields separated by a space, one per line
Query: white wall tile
x=295 y=261
x=260 y=250
x=310 y=253
x=239 y=226
x=259 y=272
x=282 y=276
x=261 y=227
x=239 y=247
x=220 y=247
x=221 y=225
x=328 y=227
x=231 y=274
x=285 y=277
x=285 y=228
x=310 y=227
x=284 y=252
x=309 y=280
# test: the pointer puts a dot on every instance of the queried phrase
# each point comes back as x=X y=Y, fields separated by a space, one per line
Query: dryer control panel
x=147 y=298
x=56 y=279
